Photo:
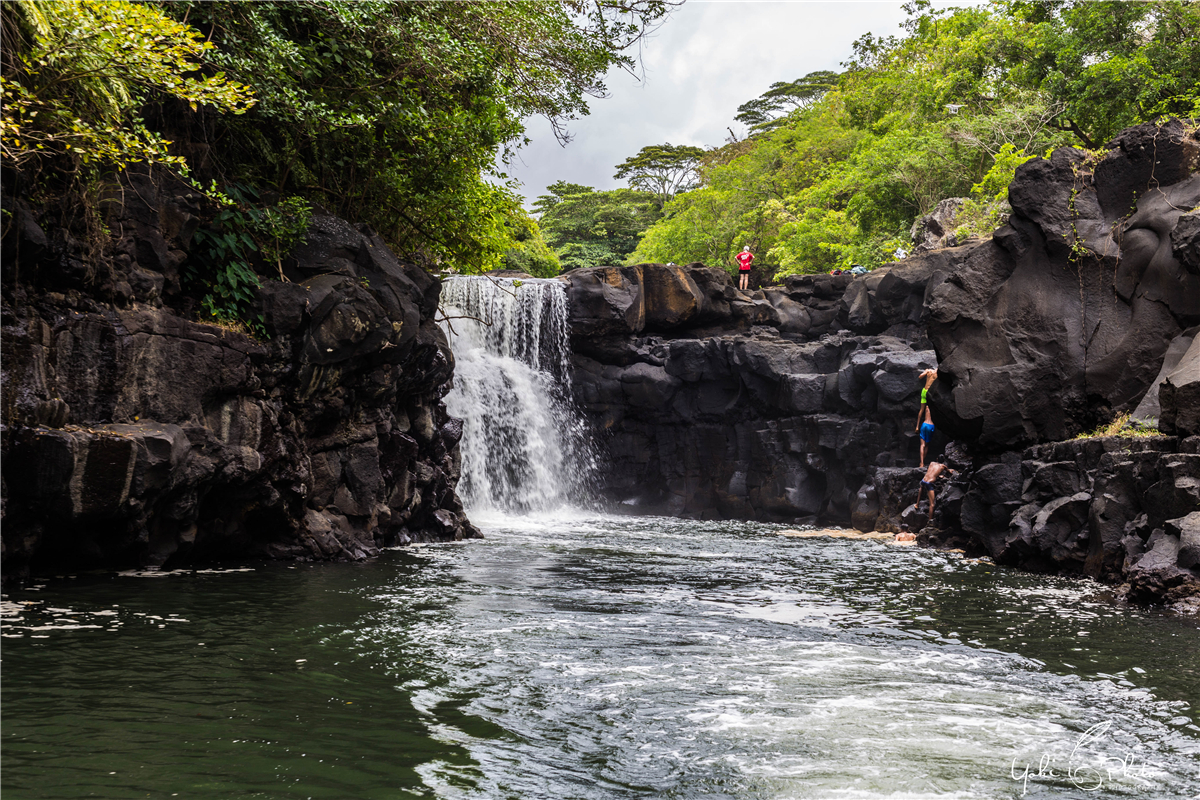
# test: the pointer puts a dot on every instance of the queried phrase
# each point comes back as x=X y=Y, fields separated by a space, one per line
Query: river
x=591 y=656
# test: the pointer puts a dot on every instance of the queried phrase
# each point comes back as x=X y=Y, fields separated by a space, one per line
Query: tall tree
x=767 y=111
x=662 y=169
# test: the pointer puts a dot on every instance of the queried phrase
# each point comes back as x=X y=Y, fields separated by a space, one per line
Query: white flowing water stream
x=523 y=449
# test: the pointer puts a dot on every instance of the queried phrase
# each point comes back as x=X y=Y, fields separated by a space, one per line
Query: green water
x=599 y=657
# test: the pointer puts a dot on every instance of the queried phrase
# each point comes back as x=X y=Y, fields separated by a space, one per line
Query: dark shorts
x=926 y=486
x=743 y=269
x=926 y=431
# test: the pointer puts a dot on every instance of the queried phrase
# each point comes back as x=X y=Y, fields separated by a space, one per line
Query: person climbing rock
x=744 y=260
x=931 y=475
x=924 y=416
x=925 y=429
x=929 y=376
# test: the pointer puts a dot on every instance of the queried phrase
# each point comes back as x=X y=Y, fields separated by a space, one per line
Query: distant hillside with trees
x=837 y=167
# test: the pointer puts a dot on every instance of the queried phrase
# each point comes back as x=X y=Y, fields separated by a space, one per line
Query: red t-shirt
x=744 y=259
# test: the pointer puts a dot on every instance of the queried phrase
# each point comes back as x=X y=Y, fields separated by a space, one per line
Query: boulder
x=605 y=301
x=671 y=297
x=935 y=230
x=1149 y=409
x=1179 y=394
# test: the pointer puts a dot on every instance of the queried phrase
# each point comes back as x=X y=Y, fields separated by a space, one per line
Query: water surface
x=599 y=657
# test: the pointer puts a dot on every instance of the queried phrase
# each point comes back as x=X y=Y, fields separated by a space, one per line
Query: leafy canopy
x=75 y=74
x=768 y=110
x=393 y=113
x=591 y=228
x=662 y=169
x=950 y=109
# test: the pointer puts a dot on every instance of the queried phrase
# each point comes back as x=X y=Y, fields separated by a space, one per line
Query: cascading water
x=523 y=448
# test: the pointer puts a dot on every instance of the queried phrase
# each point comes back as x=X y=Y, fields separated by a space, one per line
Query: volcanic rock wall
x=799 y=402
x=773 y=405
x=134 y=436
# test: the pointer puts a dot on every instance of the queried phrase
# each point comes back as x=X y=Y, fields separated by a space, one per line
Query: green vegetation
x=589 y=228
x=75 y=75
x=768 y=111
x=393 y=113
x=662 y=169
x=388 y=113
x=529 y=252
x=1123 y=425
x=837 y=167
x=222 y=264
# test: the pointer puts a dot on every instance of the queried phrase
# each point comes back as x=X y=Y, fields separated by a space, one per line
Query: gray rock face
x=1078 y=309
x=1179 y=394
x=1063 y=318
x=935 y=230
x=134 y=436
x=747 y=405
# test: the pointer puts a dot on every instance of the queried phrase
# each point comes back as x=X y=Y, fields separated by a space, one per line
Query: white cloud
x=705 y=61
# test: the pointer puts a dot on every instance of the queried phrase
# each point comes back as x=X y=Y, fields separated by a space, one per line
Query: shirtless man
x=935 y=470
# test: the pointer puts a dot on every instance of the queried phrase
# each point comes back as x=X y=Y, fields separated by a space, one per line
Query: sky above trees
x=707 y=59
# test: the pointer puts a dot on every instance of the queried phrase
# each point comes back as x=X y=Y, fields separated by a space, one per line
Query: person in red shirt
x=744 y=259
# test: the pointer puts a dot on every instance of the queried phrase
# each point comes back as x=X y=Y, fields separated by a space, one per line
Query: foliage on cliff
x=390 y=113
x=950 y=108
x=75 y=75
x=393 y=113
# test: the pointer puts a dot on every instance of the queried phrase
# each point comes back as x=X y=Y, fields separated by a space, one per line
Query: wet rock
x=134 y=436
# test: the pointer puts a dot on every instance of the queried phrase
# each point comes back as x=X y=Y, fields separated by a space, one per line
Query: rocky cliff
x=799 y=402
x=134 y=436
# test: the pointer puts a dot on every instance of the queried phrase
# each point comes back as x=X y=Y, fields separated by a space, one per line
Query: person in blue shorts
x=924 y=417
x=926 y=431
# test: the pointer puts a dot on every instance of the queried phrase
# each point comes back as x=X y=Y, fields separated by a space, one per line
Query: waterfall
x=523 y=448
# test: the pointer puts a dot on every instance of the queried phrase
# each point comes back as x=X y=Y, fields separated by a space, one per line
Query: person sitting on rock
x=932 y=474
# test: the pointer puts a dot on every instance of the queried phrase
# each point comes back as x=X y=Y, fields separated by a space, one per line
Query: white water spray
x=523 y=448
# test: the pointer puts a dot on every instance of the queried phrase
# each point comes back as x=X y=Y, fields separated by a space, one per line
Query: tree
x=662 y=169
x=530 y=252
x=393 y=113
x=74 y=75
x=1109 y=64
x=588 y=228
x=767 y=111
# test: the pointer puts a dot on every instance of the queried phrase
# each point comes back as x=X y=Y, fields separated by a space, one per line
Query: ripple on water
x=598 y=657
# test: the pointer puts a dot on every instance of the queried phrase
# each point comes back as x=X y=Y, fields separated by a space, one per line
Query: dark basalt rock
x=1064 y=317
x=135 y=437
x=799 y=402
x=761 y=419
x=1179 y=393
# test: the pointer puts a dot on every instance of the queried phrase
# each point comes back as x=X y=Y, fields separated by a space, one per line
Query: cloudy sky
x=706 y=60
